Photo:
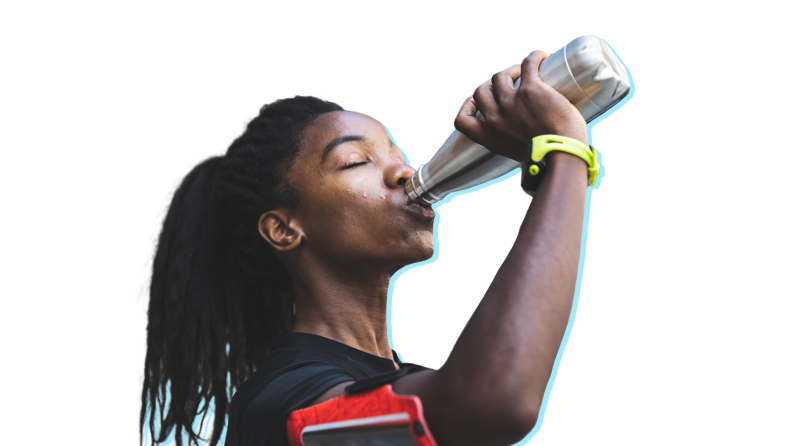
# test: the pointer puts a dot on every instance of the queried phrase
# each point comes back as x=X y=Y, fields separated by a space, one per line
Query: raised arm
x=490 y=390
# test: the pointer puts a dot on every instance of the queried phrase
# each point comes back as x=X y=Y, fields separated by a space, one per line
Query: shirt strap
x=383 y=378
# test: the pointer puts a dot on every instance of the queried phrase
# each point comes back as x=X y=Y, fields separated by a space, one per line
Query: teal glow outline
x=581 y=262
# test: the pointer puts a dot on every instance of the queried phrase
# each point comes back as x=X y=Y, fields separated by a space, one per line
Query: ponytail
x=218 y=293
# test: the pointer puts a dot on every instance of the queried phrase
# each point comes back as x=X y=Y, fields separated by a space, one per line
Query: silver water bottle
x=585 y=71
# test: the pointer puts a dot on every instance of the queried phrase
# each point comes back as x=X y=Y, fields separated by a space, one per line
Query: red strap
x=367 y=408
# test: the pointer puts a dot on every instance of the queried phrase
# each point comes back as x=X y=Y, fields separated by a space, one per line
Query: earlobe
x=280 y=230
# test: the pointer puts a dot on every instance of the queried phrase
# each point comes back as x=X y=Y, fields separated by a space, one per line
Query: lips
x=420 y=208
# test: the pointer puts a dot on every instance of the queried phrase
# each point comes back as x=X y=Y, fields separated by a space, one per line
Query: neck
x=346 y=304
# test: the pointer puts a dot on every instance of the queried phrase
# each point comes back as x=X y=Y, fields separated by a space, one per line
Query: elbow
x=526 y=423
x=491 y=415
x=517 y=425
x=503 y=424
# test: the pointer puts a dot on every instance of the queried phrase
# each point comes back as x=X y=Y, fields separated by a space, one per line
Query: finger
x=503 y=83
x=484 y=99
x=530 y=66
x=513 y=71
x=467 y=123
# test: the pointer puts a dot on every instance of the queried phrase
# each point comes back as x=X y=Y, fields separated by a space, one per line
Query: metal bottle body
x=585 y=71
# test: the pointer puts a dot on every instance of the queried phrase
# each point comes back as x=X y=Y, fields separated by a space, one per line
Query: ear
x=280 y=230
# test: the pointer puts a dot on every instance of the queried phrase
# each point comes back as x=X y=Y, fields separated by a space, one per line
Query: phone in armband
x=376 y=417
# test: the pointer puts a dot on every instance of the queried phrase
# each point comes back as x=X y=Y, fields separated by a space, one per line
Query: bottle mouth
x=409 y=188
x=415 y=189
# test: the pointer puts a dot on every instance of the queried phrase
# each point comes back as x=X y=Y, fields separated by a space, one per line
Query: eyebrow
x=338 y=141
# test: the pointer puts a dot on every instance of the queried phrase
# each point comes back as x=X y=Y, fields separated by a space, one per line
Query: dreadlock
x=218 y=293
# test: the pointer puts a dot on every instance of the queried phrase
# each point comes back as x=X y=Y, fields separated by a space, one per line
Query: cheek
x=366 y=225
x=346 y=220
x=363 y=219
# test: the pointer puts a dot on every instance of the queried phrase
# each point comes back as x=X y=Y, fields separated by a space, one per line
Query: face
x=353 y=210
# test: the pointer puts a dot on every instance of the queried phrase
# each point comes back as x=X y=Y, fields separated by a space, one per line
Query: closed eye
x=349 y=166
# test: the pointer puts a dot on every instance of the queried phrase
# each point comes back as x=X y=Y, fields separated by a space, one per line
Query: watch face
x=532 y=174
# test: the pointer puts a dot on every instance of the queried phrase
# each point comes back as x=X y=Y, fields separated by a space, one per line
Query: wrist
x=558 y=152
x=576 y=130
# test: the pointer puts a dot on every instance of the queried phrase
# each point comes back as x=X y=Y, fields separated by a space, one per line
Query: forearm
x=517 y=329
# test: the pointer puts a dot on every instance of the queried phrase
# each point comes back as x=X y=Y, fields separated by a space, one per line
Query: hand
x=514 y=116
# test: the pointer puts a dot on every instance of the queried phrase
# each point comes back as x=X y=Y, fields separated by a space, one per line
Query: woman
x=274 y=262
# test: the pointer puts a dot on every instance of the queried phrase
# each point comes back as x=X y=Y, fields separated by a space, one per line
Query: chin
x=424 y=248
x=415 y=247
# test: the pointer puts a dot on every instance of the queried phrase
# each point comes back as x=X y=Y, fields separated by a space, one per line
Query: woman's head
x=353 y=211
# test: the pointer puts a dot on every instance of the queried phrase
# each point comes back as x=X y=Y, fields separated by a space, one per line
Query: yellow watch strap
x=543 y=144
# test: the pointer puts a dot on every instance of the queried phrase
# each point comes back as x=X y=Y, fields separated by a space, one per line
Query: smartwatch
x=534 y=165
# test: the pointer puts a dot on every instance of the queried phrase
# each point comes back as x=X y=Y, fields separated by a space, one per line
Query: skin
x=354 y=229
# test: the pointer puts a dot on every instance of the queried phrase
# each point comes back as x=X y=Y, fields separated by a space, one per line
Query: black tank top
x=299 y=370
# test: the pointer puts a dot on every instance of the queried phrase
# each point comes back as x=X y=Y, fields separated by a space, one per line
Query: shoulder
x=286 y=381
x=299 y=370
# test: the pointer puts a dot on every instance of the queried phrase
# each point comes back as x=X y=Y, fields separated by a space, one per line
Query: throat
x=360 y=330
x=348 y=306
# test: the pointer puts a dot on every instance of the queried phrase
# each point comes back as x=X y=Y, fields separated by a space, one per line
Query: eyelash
x=349 y=166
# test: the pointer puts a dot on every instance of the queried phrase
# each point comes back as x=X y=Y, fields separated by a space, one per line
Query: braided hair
x=218 y=293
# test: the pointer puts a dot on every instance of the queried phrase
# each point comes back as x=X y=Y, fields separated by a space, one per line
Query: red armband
x=376 y=414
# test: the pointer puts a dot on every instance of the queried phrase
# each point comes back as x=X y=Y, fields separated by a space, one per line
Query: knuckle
x=494 y=120
x=459 y=122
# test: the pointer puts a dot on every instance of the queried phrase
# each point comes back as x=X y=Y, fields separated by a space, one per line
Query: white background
x=682 y=332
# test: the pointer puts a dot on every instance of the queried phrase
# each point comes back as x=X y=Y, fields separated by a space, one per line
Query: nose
x=398 y=175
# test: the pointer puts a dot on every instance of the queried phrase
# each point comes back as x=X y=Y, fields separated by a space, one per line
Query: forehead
x=331 y=125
